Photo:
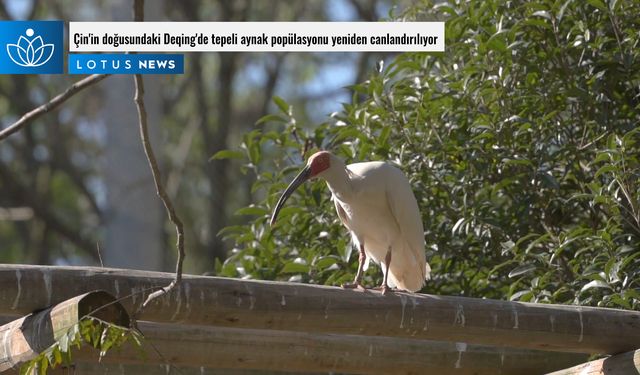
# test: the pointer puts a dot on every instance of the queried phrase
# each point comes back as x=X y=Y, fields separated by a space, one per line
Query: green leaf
x=252 y=210
x=283 y=105
x=44 y=365
x=50 y=355
x=628 y=259
x=63 y=342
x=254 y=153
x=28 y=368
x=523 y=295
x=595 y=284
x=598 y=4
x=542 y=13
x=523 y=162
x=632 y=294
x=270 y=118
x=384 y=135
x=549 y=180
x=293 y=267
x=521 y=270
x=562 y=10
x=605 y=169
x=457 y=225
x=326 y=262
x=496 y=42
x=507 y=245
x=227 y=154
x=603 y=157
x=535 y=242
x=57 y=355
x=502 y=265
x=616 y=299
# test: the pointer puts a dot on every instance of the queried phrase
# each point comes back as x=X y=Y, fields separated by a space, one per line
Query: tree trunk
x=134 y=217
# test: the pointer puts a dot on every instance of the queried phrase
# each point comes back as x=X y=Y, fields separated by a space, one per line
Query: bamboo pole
x=311 y=352
x=93 y=367
x=622 y=364
x=321 y=309
x=22 y=339
x=267 y=350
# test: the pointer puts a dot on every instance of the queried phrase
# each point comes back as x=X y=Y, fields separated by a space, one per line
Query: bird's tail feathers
x=407 y=272
x=427 y=272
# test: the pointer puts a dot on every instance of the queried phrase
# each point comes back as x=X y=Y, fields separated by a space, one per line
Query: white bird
x=375 y=202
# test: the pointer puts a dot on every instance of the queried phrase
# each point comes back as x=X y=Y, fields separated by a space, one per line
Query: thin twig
x=583 y=147
x=99 y=255
x=138 y=9
x=29 y=117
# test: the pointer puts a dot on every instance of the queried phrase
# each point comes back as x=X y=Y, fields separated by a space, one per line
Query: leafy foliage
x=521 y=142
x=99 y=334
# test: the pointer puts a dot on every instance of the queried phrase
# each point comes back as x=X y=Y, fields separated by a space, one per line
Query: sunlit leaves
x=90 y=331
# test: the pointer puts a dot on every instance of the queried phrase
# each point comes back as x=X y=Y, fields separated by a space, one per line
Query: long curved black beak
x=303 y=176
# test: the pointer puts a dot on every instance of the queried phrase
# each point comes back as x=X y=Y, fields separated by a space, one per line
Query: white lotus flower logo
x=30 y=52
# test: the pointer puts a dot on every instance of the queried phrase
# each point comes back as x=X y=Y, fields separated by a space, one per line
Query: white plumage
x=375 y=202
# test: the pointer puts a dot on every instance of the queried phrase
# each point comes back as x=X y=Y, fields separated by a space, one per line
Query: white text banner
x=256 y=36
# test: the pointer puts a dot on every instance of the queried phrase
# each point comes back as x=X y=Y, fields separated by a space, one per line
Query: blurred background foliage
x=57 y=205
x=521 y=142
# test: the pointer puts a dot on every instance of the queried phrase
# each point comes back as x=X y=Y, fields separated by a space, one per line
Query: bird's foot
x=384 y=289
x=354 y=285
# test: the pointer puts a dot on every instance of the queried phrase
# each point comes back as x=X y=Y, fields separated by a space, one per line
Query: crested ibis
x=375 y=202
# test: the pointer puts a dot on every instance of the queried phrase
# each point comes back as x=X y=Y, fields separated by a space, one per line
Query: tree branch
x=52 y=104
x=138 y=9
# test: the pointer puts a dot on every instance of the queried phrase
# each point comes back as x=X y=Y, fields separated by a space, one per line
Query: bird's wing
x=404 y=208
x=341 y=214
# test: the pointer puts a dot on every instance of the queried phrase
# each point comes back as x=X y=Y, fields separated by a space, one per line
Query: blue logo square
x=31 y=47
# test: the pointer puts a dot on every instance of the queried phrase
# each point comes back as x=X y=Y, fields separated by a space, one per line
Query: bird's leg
x=356 y=282
x=384 y=287
x=387 y=263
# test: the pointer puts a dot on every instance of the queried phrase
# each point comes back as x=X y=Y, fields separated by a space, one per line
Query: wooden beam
x=621 y=364
x=22 y=339
x=267 y=350
x=311 y=308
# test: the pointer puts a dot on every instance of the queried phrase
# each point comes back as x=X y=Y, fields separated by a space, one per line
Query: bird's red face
x=318 y=163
